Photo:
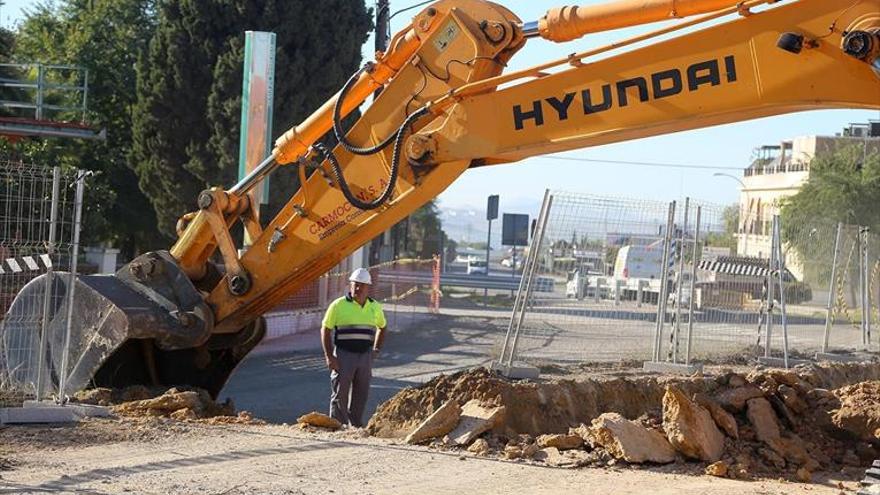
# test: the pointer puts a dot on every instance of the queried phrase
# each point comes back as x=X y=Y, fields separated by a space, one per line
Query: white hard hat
x=361 y=276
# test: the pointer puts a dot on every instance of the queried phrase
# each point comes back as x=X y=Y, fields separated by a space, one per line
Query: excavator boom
x=448 y=105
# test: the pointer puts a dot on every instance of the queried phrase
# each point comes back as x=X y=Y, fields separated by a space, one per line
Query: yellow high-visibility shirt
x=354 y=326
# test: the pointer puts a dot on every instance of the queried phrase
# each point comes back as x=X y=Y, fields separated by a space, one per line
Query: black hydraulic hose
x=395 y=166
x=337 y=121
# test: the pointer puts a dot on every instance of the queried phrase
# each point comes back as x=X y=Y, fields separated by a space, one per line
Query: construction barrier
x=637 y=280
x=40 y=221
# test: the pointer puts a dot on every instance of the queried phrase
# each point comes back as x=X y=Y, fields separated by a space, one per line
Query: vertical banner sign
x=258 y=89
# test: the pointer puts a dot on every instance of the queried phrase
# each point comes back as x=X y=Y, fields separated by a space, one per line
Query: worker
x=357 y=325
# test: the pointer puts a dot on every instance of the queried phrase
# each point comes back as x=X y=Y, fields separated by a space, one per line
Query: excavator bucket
x=147 y=324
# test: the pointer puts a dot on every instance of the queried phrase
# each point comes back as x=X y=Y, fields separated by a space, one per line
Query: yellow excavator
x=447 y=105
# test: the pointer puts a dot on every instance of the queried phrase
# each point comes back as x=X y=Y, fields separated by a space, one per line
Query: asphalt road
x=285 y=378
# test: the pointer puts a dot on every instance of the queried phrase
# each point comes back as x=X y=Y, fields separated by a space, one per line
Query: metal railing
x=51 y=92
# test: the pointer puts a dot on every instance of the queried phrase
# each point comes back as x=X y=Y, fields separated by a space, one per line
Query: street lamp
x=745 y=230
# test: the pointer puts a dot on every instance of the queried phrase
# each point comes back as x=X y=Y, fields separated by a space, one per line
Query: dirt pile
x=178 y=403
x=767 y=423
x=859 y=410
x=533 y=408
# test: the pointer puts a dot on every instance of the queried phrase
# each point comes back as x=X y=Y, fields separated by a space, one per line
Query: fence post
x=435 y=285
x=47 y=292
x=780 y=264
x=693 y=291
x=41 y=76
x=71 y=288
x=323 y=289
x=519 y=292
x=680 y=275
x=829 y=310
x=867 y=288
x=664 y=277
x=530 y=265
x=770 y=296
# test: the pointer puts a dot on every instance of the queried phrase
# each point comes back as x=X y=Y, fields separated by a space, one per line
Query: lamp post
x=744 y=219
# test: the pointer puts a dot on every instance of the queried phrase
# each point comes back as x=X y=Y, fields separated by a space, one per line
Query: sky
x=521 y=185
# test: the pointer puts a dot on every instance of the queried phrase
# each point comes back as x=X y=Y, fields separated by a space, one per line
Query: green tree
x=105 y=37
x=187 y=120
x=730 y=222
x=844 y=186
x=426 y=235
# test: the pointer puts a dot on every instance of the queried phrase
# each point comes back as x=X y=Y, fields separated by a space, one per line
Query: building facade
x=779 y=171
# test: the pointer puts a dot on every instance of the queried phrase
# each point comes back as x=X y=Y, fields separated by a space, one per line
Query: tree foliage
x=844 y=186
x=105 y=37
x=187 y=119
x=730 y=221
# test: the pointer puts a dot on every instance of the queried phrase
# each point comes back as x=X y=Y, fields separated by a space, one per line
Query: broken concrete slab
x=475 y=420
x=690 y=428
x=34 y=412
x=440 y=423
x=630 y=441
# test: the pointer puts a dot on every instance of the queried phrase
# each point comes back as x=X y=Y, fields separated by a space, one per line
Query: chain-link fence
x=40 y=214
x=617 y=279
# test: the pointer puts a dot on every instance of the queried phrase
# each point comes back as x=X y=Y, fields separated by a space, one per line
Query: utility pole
x=383 y=30
x=382 y=35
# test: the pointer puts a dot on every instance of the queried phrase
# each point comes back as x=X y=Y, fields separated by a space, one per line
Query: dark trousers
x=350 y=386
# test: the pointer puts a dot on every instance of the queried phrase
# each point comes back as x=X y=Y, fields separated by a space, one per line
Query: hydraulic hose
x=337 y=120
x=395 y=166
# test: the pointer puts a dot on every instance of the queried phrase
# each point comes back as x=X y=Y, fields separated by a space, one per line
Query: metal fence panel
x=39 y=228
x=578 y=309
x=621 y=279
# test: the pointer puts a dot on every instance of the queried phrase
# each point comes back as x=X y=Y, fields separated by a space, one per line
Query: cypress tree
x=187 y=121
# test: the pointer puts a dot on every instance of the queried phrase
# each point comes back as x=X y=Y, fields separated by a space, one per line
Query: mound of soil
x=859 y=411
x=532 y=408
x=773 y=423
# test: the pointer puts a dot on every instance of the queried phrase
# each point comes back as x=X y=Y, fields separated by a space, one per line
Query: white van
x=639 y=262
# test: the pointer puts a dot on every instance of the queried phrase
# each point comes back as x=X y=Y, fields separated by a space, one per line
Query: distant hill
x=468 y=223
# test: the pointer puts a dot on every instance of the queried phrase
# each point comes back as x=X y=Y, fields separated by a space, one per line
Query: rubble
x=718 y=469
x=560 y=441
x=319 y=420
x=768 y=423
x=629 y=440
x=441 y=422
x=735 y=399
x=722 y=418
x=479 y=447
x=177 y=403
x=859 y=410
x=476 y=419
x=763 y=420
x=690 y=428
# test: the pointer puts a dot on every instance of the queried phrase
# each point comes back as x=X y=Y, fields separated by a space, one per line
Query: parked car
x=508 y=262
x=477 y=267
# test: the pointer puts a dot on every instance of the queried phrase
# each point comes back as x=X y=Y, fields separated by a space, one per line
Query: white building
x=777 y=172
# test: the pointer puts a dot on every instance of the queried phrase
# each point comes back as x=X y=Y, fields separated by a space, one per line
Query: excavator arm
x=448 y=105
